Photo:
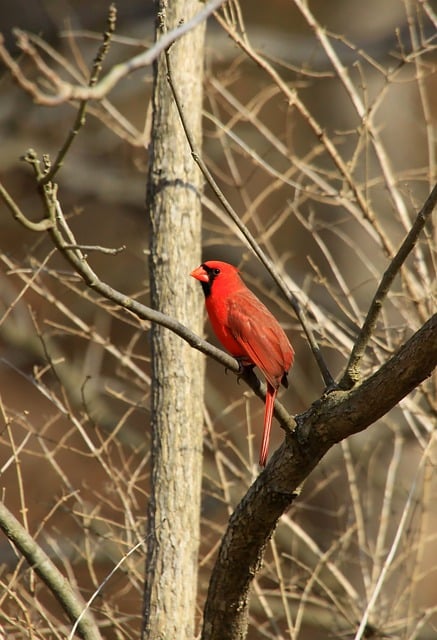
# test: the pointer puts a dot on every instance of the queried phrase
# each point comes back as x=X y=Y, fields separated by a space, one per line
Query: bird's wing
x=260 y=335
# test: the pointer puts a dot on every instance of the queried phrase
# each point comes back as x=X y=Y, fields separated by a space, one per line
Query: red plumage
x=248 y=330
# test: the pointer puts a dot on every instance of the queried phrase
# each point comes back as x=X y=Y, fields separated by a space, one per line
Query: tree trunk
x=173 y=204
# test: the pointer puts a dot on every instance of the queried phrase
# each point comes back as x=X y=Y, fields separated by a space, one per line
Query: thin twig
x=42 y=225
x=343 y=74
x=94 y=247
x=101 y=587
x=352 y=373
x=319 y=132
x=390 y=556
x=80 y=119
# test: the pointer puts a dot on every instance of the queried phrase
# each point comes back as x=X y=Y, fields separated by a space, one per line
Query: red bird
x=247 y=329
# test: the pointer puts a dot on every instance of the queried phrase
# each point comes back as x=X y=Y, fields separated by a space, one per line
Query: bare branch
x=79 y=121
x=101 y=586
x=70 y=601
x=356 y=100
x=352 y=373
x=42 y=225
x=93 y=247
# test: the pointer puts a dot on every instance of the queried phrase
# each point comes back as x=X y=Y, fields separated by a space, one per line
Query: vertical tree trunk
x=173 y=203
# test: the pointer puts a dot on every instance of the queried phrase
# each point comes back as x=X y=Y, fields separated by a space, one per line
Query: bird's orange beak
x=200 y=274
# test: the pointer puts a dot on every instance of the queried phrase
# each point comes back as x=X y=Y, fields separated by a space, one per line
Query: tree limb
x=80 y=118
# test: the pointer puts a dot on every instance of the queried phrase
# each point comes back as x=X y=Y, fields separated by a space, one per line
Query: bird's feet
x=245 y=368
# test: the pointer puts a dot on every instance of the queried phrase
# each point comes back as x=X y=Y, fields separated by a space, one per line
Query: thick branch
x=333 y=418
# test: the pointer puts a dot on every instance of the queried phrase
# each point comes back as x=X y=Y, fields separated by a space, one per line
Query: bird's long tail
x=268 y=416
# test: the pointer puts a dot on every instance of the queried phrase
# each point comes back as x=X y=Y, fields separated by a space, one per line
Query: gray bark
x=173 y=203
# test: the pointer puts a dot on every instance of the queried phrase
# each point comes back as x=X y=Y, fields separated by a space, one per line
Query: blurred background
x=327 y=167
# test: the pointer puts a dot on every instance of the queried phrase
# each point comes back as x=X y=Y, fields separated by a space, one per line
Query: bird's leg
x=241 y=367
x=330 y=388
x=245 y=368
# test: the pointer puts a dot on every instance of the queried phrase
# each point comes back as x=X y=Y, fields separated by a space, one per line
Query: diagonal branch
x=80 y=118
x=71 y=602
x=352 y=373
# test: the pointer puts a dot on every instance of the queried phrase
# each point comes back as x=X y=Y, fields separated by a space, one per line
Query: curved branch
x=65 y=91
x=42 y=225
x=331 y=419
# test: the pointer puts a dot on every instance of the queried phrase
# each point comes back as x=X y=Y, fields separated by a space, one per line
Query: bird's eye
x=216 y=272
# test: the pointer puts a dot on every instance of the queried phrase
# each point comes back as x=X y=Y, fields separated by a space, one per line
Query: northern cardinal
x=247 y=329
